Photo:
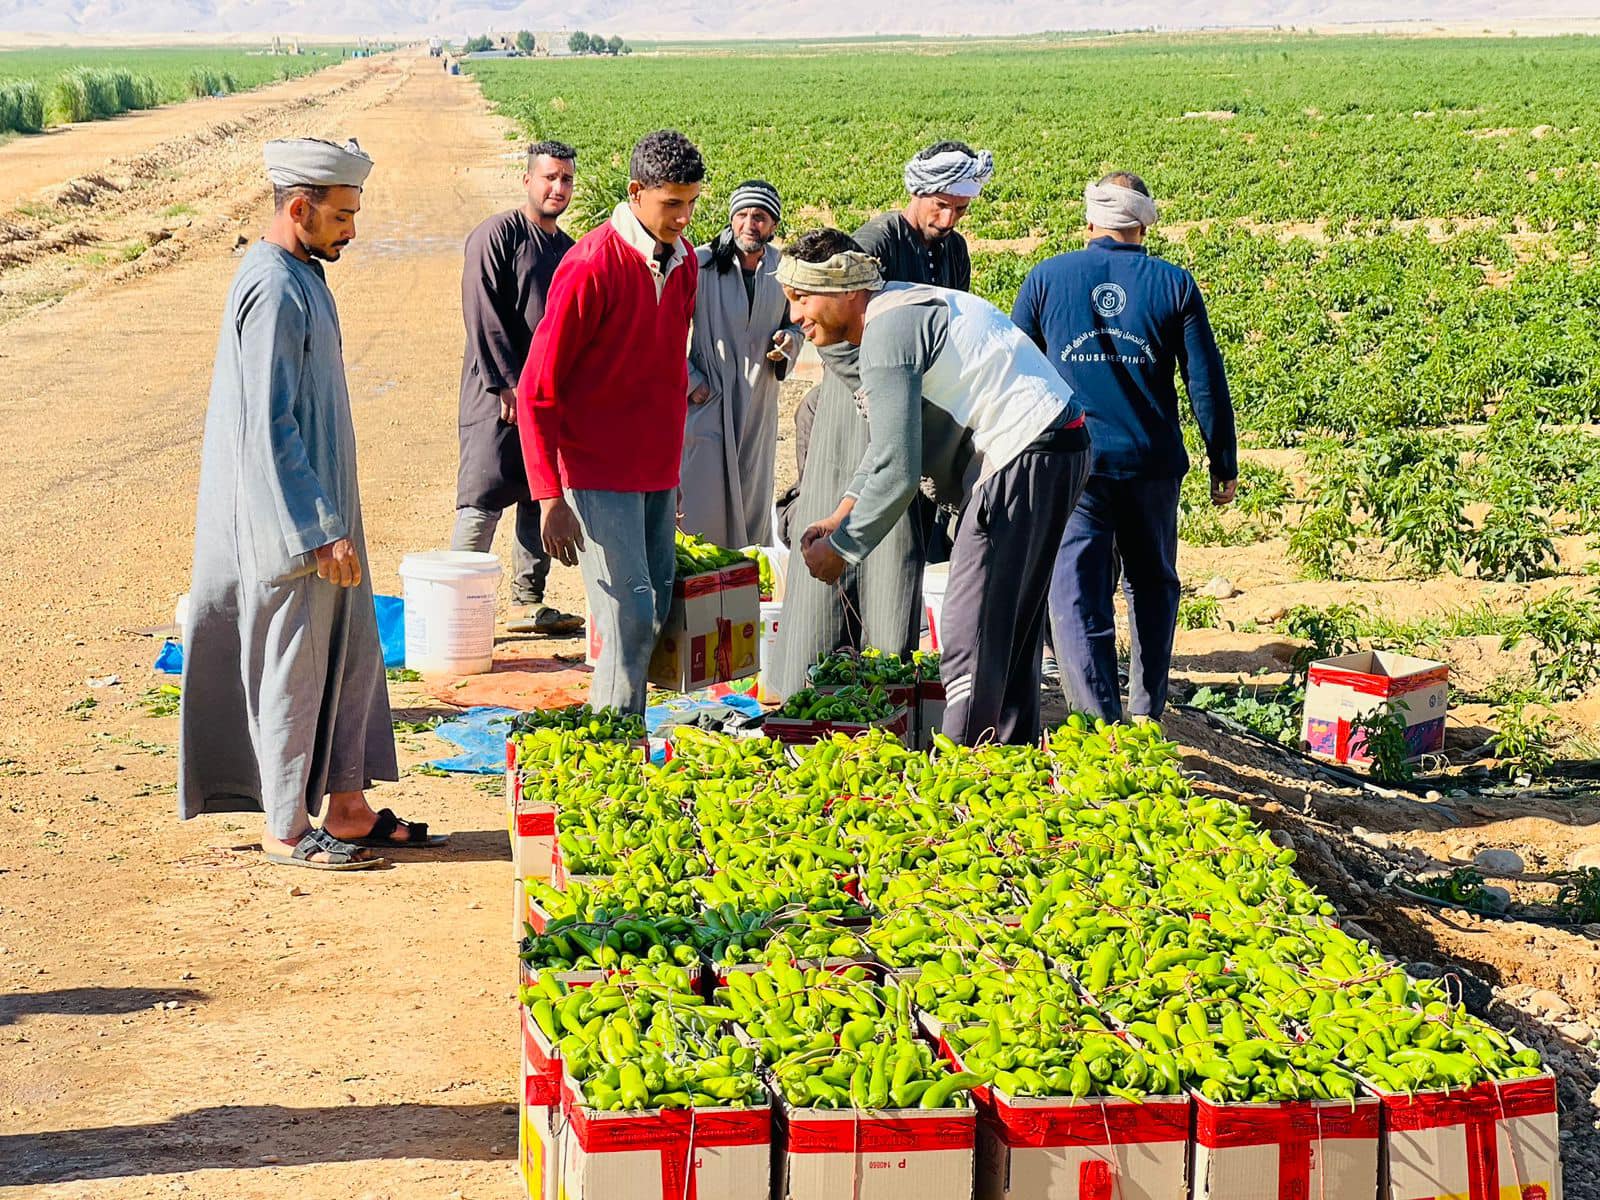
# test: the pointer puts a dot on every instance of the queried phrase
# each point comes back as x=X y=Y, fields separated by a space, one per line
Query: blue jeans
x=1136 y=520
x=628 y=560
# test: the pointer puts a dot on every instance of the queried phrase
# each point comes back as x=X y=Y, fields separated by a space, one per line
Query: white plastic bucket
x=935 y=580
x=771 y=611
x=450 y=608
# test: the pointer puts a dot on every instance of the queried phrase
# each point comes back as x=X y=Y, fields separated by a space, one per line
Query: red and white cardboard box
x=1056 y=1148
x=1060 y=1148
x=664 y=1154
x=540 y=1108
x=1493 y=1141
x=1339 y=690
x=712 y=633
x=890 y=1154
x=1306 y=1150
x=533 y=840
x=541 y=1065
x=790 y=730
x=537 y=1161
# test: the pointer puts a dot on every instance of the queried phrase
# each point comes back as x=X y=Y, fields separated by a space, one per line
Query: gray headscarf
x=312 y=162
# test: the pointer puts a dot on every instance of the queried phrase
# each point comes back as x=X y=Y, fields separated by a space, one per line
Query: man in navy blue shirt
x=1117 y=322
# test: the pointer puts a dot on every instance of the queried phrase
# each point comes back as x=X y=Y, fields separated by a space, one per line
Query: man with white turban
x=881 y=603
x=284 y=697
x=1118 y=322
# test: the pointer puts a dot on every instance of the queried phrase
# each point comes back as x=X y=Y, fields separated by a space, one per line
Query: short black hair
x=1126 y=179
x=819 y=245
x=945 y=148
x=281 y=195
x=665 y=156
x=553 y=149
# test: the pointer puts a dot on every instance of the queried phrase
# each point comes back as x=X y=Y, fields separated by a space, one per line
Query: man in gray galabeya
x=284 y=697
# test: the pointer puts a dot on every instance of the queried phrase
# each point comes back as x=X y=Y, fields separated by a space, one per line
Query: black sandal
x=387 y=825
x=341 y=855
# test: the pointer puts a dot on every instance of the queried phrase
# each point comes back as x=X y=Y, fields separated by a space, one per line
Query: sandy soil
x=179 y=1017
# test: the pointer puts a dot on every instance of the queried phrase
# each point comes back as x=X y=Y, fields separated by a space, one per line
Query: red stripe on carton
x=1093 y=1122
x=675 y=1132
x=542 y=1084
x=1478 y=1111
x=1227 y=1126
x=878 y=1134
x=1377 y=685
x=538 y=823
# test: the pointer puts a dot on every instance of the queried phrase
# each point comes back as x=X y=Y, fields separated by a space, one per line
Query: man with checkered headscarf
x=880 y=604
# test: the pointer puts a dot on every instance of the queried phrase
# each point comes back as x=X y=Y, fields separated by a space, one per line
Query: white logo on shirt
x=1108 y=299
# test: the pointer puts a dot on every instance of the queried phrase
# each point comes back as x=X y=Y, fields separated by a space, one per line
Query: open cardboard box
x=1486 y=1142
x=1339 y=690
x=1289 y=1151
x=712 y=633
x=1094 y=1148
x=788 y=729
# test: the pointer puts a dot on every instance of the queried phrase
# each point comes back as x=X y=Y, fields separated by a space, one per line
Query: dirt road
x=175 y=1016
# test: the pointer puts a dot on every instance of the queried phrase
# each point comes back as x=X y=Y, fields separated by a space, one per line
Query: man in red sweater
x=601 y=406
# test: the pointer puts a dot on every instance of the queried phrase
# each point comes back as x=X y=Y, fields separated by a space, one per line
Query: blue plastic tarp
x=481 y=735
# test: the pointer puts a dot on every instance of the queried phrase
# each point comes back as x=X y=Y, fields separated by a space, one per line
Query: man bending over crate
x=957 y=397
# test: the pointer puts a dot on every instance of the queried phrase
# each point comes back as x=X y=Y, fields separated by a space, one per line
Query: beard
x=326 y=253
x=751 y=245
x=551 y=209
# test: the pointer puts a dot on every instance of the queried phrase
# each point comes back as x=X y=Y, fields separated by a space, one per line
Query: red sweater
x=603 y=397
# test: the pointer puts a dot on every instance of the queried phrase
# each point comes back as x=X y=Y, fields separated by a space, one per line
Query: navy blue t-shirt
x=1117 y=323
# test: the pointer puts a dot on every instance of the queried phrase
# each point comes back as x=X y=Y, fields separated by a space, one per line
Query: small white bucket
x=934 y=581
x=450 y=609
x=771 y=611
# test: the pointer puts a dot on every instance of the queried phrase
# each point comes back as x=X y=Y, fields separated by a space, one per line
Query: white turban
x=950 y=172
x=1112 y=206
x=312 y=162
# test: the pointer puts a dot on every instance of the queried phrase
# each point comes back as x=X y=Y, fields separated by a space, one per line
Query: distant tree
x=478 y=44
x=627 y=49
x=614 y=45
x=578 y=43
x=525 y=41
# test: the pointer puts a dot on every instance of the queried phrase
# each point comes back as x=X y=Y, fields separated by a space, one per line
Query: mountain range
x=751 y=18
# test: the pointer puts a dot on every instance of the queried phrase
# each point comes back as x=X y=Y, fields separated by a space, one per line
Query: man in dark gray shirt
x=956 y=398
x=510 y=260
x=919 y=243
